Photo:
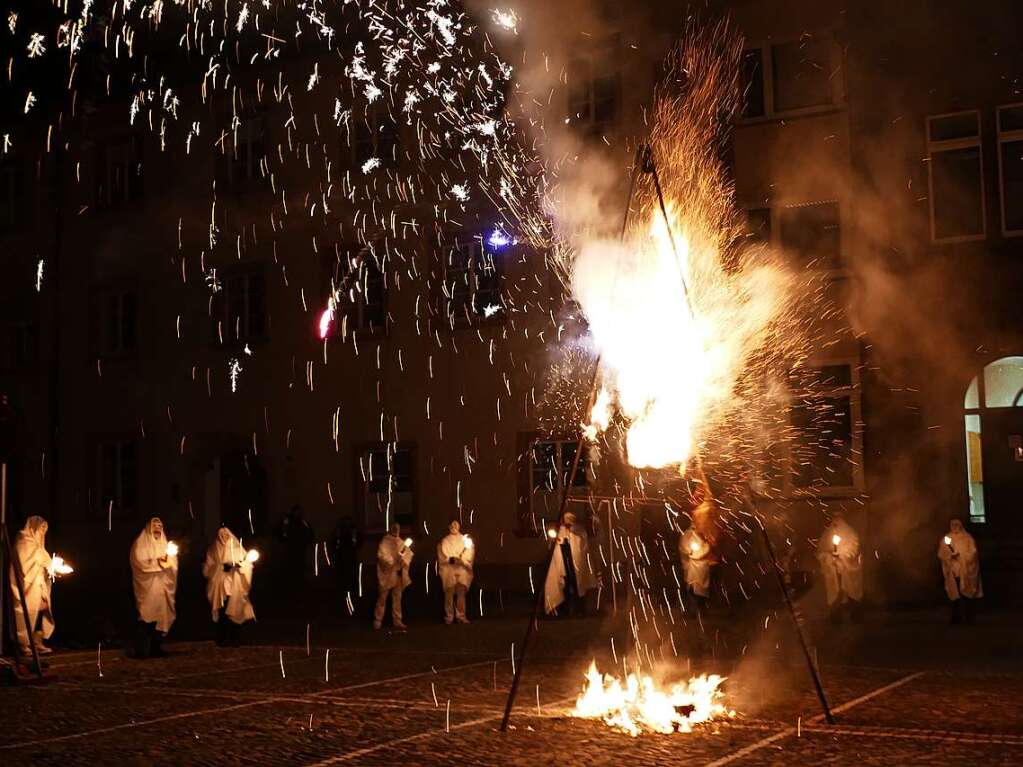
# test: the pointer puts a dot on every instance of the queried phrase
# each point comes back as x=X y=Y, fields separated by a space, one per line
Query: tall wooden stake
x=534 y=616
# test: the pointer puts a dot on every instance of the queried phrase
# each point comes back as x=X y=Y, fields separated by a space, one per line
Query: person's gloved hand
x=452 y=560
x=228 y=567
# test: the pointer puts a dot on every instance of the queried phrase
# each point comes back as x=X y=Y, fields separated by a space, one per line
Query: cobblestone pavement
x=436 y=698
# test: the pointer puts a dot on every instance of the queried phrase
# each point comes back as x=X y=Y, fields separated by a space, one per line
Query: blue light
x=499 y=239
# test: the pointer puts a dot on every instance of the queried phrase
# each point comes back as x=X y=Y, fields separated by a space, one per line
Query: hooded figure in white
x=841 y=564
x=569 y=576
x=37 y=572
x=228 y=572
x=394 y=557
x=455 y=555
x=696 y=562
x=960 y=563
x=154 y=573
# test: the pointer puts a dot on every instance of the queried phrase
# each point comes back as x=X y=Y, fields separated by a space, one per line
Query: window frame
x=774 y=222
x=590 y=69
x=361 y=484
x=223 y=323
x=477 y=265
x=836 y=78
x=372 y=119
x=559 y=442
x=102 y=298
x=952 y=145
x=853 y=391
x=1005 y=137
x=120 y=510
x=134 y=189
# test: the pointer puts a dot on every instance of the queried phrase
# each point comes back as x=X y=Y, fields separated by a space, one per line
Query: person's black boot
x=143 y=646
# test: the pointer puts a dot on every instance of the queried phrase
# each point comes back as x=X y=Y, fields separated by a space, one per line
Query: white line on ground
x=222 y=709
x=340 y=758
x=747 y=750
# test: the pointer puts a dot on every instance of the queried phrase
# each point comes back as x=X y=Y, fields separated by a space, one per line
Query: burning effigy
x=640 y=705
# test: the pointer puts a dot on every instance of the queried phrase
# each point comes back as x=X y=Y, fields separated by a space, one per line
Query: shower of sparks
x=234 y=370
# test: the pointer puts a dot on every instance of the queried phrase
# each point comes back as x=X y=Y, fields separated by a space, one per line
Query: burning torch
x=59 y=567
x=835 y=540
x=948 y=542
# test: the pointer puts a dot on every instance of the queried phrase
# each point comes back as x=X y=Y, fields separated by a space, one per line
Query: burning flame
x=948 y=540
x=836 y=539
x=172 y=549
x=59 y=567
x=640 y=706
x=467 y=541
x=252 y=556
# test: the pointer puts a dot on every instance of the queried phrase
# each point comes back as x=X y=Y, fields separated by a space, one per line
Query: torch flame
x=641 y=706
x=552 y=533
x=467 y=541
x=252 y=556
x=59 y=567
x=408 y=543
x=948 y=540
x=836 y=539
x=172 y=549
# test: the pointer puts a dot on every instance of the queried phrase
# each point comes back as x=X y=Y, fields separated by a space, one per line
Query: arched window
x=999 y=386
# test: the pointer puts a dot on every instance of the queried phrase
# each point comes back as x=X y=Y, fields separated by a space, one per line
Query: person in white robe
x=697 y=560
x=228 y=571
x=455 y=556
x=154 y=573
x=394 y=557
x=569 y=575
x=838 y=552
x=37 y=574
x=960 y=565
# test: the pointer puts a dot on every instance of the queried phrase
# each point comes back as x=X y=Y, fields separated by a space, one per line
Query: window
x=386 y=475
x=118 y=172
x=243 y=307
x=792 y=77
x=802 y=72
x=358 y=285
x=812 y=233
x=1010 y=167
x=115 y=323
x=753 y=78
x=244 y=153
x=375 y=137
x=21 y=347
x=593 y=96
x=956 y=177
x=825 y=455
x=758 y=226
x=117 y=478
x=550 y=462
x=473 y=280
x=11 y=200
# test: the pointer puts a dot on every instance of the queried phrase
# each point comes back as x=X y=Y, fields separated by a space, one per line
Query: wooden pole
x=534 y=616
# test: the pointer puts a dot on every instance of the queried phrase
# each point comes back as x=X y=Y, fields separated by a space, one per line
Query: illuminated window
x=956 y=177
x=999 y=387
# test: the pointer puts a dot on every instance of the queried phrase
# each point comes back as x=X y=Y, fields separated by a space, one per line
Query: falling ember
x=641 y=706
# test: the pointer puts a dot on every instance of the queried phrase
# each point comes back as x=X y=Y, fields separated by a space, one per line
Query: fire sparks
x=59 y=567
x=679 y=312
x=641 y=706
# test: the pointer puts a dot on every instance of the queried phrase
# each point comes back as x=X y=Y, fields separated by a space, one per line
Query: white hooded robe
x=393 y=555
x=843 y=574
x=579 y=543
x=965 y=567
x=155 y=581
x=460 y=573
x=30 y=549
x=695 y=554
x=230 y=588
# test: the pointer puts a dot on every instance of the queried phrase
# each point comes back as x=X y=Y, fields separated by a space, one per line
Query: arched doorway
x=993 y=412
